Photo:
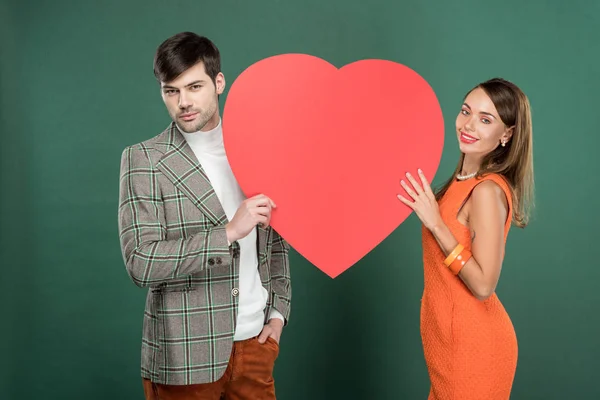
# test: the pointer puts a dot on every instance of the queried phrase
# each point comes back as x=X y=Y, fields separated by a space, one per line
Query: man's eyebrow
x=188 y=85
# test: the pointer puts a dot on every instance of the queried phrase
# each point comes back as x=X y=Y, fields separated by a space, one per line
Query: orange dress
x=470 y=345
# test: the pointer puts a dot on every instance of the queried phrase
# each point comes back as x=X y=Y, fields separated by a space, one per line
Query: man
x=218 y=274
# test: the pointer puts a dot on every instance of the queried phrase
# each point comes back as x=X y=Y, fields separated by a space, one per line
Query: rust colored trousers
x=249 y=376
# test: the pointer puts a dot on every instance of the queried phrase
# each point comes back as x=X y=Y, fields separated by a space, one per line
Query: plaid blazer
x=173 y=240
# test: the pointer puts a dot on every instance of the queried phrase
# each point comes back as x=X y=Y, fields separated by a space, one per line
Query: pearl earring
x=503 y=143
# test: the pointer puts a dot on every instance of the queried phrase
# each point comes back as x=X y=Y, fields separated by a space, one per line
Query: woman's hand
x=424 y=203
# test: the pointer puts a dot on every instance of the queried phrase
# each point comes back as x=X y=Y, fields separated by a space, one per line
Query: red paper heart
x=330 y=146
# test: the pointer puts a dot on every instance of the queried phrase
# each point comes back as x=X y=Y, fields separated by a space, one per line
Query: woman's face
x=478 y=126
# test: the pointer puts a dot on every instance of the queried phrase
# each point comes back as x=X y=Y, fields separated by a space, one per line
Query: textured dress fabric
x=470 y=345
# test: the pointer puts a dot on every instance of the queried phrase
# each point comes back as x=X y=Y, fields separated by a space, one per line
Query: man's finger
x=259 y=201
x=262 y=199
x=270 y=202
x=262 y=221
x=262 y=338
x=264 y=210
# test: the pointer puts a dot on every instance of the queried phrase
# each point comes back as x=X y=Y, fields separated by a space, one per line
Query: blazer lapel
x=262 y=241
x=180 y=165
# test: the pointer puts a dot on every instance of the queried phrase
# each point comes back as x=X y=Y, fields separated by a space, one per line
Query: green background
x=77 y=87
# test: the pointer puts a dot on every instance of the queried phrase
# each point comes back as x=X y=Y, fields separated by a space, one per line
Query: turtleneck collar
x=205 y=140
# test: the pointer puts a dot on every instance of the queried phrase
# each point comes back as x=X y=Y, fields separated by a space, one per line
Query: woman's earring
x=503 y=142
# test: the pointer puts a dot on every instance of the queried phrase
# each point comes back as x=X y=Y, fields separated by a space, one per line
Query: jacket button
x=219 y=261
x=235 y=291
x=211 y=261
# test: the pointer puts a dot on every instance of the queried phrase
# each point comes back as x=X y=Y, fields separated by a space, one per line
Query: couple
x=219 y=275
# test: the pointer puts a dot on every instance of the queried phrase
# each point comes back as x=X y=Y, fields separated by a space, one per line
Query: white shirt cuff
x=276 y=314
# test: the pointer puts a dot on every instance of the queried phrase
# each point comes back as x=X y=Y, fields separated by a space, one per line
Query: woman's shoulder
x=496 y=178
x=491 y=188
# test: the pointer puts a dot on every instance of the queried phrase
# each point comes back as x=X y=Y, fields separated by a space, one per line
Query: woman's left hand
x=424 y=203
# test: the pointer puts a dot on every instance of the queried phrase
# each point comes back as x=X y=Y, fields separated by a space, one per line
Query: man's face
x=192 y=99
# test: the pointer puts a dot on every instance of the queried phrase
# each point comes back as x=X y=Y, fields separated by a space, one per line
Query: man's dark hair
x=181 y=52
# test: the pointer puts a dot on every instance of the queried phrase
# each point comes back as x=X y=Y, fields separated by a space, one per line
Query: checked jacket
x=173 y=241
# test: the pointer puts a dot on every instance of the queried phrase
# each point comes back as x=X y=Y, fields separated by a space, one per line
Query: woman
x=468 y=338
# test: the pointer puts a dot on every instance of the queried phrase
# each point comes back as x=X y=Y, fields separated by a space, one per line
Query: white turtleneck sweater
x=210 y=151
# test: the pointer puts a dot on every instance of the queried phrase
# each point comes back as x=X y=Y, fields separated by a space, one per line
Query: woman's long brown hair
x=514 y=162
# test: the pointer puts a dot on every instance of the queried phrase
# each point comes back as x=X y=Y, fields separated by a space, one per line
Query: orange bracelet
x=460 y=261
x=459 y=247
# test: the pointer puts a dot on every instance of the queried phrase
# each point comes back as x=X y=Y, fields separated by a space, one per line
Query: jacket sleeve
x=149 y=258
